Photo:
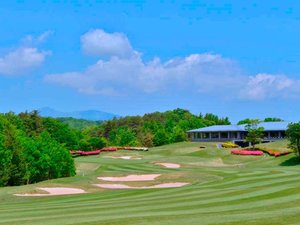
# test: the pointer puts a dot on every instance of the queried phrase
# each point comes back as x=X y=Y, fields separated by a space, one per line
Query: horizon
x=231 y=120
x=233 y=59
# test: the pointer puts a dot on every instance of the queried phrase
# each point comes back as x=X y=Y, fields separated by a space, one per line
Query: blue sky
x=232 y=58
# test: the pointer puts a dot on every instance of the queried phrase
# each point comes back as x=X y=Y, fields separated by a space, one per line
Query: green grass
x=224 y=189
x=278 y=145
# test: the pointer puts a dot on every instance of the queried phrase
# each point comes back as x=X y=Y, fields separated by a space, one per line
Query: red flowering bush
x=95 y=152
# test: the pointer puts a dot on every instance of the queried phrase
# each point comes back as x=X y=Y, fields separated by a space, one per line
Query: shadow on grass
x=294 y=161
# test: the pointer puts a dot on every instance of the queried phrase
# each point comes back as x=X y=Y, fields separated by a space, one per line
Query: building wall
x=233 y=136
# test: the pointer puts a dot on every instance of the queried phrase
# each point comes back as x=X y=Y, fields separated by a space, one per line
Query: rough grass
x=248 y=190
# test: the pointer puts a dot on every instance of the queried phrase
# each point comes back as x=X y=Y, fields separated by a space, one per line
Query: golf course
x=214 y=187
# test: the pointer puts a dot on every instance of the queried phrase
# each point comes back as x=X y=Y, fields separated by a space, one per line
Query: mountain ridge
x=94 y=115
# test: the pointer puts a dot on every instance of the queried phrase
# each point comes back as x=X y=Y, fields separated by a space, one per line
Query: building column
x=269 y=135
x=238 y=135
x=279 y=134
x=210 y=135
x=219 y=134
x=228 y=135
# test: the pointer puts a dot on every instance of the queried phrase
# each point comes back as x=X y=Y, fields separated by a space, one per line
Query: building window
x=233 y=135
x=274 y=134
x=205 y=135
x=224 y=135
x=214 y=135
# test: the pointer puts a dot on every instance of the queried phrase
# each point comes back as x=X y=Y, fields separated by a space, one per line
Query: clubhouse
x=237 y=133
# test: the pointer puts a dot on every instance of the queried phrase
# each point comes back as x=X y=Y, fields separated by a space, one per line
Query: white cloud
x=197 y=72
x=121 y=70
x=35 y=40
x=28 y=56
x=100 y=43
x=263 y=86
x=21 y=60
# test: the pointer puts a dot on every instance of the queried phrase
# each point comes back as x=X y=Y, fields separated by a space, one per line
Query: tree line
x=153 y=129
x=33 y=148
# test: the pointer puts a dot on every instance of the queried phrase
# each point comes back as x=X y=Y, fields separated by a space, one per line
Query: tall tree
x=254 y=132
x=293 y=134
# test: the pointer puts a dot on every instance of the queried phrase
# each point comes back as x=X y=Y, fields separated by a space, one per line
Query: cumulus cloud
x=263 y=86
x=197 y=72
x=122 y=70
x=100 y=43
x=21 y=60
x=26 y=57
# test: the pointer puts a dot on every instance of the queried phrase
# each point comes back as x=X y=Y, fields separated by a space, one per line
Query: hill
x=78 y=124
x=93 y=115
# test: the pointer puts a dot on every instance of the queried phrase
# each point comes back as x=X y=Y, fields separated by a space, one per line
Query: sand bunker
x=123 y=186
x=145 y=177
x=123 y=157
x=56 y=191
x=169 y=165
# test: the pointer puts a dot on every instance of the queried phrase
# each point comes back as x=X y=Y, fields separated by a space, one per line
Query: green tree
x=91 y=143
x=179 y=135
x=55 y=160
x=293 y=134
x=16 y=164
x=245 y=121
x=160 y=138
x=61 y=132
x=32 y=151
x=273 y=119
x=254 y=133
x=123 y=136
x=32 y=123
x=6 y=156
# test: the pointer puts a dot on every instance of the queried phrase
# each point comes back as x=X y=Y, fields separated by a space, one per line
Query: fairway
x=222 y=189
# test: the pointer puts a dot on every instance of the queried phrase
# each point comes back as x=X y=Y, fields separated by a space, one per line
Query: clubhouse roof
x=272 y=131
x=268 y=126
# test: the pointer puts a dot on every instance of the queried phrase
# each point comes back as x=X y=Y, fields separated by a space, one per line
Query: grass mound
x=276 y=149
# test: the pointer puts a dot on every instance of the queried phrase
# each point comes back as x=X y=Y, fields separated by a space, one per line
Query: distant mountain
x=87 y=115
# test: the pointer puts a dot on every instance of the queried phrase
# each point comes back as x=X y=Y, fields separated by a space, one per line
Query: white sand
x=56 y=191
x=123 y=157
x=144 y=177
x=123 y=186
x=169 y=165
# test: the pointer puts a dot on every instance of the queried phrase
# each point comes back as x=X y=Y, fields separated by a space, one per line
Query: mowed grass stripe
x=261 y=188
x=148 y=213
x=257 y=182
x=208 y=206
x=226 y=197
